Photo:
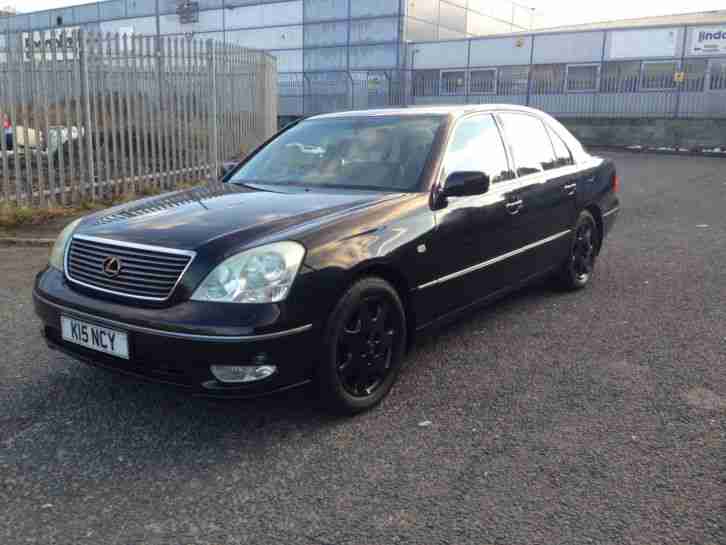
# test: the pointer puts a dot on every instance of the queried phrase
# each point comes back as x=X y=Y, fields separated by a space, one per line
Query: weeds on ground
x=13 y=216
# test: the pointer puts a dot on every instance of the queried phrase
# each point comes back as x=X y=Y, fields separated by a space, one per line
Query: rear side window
x=477 y=145
x=530 y=143
x=563 y=157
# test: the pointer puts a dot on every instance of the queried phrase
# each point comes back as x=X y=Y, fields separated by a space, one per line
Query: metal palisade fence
x=91 y=116
x=635 y=88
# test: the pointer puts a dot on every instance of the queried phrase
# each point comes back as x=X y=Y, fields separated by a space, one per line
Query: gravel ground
x=594 y=417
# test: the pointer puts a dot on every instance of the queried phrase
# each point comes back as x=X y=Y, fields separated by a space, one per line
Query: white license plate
x=102 y=339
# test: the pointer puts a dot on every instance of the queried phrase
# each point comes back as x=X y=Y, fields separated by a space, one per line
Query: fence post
x=352 y=88
x=529 y=73
x=682 y=69
x=86 y=107
x=214 y=115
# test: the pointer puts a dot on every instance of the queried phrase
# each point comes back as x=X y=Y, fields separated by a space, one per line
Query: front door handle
x=570 y=189
x=514 y=207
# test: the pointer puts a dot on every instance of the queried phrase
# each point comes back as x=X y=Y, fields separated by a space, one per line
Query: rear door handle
x=513 y=207
x=570 y=189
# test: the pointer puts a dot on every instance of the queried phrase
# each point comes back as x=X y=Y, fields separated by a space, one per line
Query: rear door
x=546 y=193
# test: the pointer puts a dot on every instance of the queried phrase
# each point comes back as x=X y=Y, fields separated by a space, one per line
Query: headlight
x=260 y=275
x=57 y=254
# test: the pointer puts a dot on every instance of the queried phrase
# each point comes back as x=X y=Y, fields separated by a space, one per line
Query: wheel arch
x=594 y=209
x=393 y=276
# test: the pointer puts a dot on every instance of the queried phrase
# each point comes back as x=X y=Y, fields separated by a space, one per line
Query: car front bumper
x=171 y=345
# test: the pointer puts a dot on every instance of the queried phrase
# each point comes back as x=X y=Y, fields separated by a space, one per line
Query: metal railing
x=604 y=92
x=92 y=115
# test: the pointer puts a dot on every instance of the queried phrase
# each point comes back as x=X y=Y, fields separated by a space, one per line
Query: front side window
x=476 y=145
x=376 y=153
x=531 y=145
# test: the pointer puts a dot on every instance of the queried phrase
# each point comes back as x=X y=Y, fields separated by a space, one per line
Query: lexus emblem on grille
x=112 y=266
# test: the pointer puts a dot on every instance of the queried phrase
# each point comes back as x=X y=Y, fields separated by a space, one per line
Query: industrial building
x=320 y=45
x=342 y=54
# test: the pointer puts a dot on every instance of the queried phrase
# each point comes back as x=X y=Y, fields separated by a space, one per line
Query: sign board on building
x=63 y=39
x=708 y=41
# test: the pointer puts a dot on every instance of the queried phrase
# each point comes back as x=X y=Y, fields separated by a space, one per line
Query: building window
x=696 y=71
x=453 y=82
x=548 y=79
x=483 y=82
x=426 y=83
x=620 y=77
x=581 y=78
x=513 y=80
x=718 y=75
x=659 y=76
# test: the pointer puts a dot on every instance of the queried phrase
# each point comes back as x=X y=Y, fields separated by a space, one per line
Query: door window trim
x=552 y=135
x=440 y=181
x=510 y=149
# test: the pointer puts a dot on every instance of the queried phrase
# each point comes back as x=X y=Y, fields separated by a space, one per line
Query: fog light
x=238 y=373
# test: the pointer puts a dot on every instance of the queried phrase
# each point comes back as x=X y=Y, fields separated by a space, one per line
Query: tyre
x=578 y=269
x=365 y=342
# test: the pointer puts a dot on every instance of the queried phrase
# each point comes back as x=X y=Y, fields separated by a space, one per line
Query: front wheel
x=578 y=269
x=365 y=343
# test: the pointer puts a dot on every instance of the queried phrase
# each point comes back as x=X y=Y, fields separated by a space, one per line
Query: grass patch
x=13 y=216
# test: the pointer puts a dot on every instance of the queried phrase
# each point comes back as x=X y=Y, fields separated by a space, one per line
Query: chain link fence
x=91 y=116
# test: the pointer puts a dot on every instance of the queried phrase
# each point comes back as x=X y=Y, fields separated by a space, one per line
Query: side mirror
x=466 y=184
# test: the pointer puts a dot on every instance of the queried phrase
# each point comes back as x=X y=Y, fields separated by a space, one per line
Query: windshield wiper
x=257 y=185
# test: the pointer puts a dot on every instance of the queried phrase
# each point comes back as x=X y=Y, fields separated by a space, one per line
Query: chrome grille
x=145 y=272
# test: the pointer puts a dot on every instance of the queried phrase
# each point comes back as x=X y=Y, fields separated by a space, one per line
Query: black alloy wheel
x=365 y=344
x=580 y=265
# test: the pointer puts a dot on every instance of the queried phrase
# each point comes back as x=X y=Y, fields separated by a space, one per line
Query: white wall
x=571 y=48
x=373 y=56
x=501 y=51
x=651 y=42
x=284 y=13
x=374 y=30
x=208 y=21
x=286 y=37
x=289 y=61
x=439 y=55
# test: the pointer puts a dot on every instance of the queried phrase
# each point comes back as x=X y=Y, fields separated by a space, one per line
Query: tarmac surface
x=549 y=418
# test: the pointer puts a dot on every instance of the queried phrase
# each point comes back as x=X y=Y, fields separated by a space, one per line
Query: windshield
x=378 y=153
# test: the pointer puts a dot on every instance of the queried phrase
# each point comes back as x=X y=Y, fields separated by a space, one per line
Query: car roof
x=456 y=111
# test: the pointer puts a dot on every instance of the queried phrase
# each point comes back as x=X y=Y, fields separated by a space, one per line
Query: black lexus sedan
x=322 y=255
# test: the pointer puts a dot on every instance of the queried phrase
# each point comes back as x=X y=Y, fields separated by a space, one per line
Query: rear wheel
x=364 y=347
x=578 y=269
